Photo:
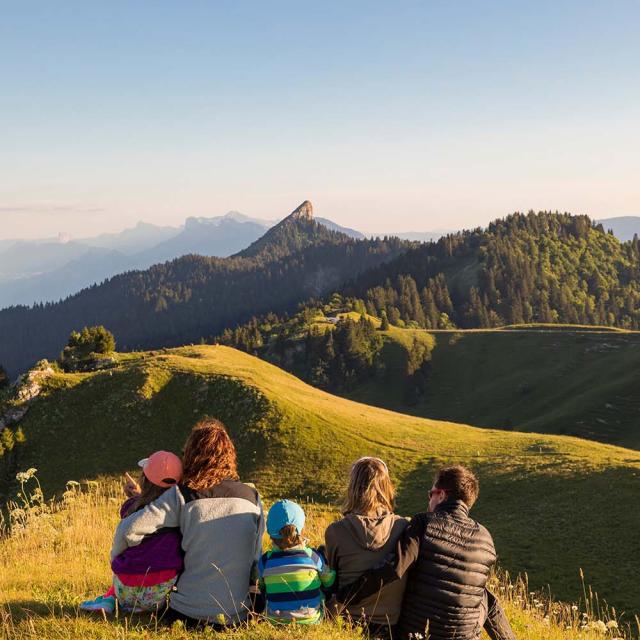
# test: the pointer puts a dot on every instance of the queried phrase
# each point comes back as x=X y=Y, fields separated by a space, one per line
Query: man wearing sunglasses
x=450 y=556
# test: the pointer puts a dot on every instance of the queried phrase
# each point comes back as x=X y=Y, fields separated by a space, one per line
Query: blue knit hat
x=283 y=513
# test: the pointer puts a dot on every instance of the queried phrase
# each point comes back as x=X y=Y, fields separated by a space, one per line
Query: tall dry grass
x=54 y=555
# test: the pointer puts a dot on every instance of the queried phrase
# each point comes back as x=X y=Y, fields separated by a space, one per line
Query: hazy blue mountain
x=196 y=296
x=5 y=244
x=47 y=270
x=93 y=266
x=221 y=236
x=134 y=240
x=25 y=258
x=623 y=227
x=352 y=233
x=414 y=236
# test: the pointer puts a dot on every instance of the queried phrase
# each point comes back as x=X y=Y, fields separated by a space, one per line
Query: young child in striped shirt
x=293 y=576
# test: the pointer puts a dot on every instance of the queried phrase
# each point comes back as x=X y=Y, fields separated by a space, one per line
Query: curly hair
x=209 y=456
x=370 y=492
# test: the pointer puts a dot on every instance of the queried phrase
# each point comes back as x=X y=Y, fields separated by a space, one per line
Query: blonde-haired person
x=362 y=538
x=221 y=522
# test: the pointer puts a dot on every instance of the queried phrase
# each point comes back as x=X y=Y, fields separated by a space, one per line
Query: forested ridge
x=535 y=267
x=184 y=300
x=527 y=268
x=544 y=267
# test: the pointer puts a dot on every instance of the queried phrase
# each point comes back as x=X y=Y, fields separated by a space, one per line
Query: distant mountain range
x=623 y=227
x=193 y=296
x=51 y=269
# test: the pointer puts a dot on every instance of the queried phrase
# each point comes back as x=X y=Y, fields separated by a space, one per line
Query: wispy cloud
x=50 y=209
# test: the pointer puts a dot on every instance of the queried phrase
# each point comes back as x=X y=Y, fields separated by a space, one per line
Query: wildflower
x=598 y=625
x=612 y=624
x=23 y=476
x=574 y=607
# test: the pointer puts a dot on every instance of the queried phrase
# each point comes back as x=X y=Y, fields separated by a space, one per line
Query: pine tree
x=4 y=378
x=83 y=345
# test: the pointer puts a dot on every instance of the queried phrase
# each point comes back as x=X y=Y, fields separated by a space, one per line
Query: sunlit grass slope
x=581 y=381
x=59 y=559
x=554 y=504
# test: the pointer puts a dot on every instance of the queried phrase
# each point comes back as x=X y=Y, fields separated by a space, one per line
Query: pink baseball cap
x=162 y=468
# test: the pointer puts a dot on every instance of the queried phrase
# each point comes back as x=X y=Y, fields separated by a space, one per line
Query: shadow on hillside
x=553 y=520
x=23 y=609
x=107 y=422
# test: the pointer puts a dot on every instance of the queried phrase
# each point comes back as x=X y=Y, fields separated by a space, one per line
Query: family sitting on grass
x=189 y=546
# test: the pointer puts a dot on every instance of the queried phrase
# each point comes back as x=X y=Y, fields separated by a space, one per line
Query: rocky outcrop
x=302 y=212
x=26 y=388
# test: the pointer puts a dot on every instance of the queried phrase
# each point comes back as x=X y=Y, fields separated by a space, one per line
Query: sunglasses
x=432 y=492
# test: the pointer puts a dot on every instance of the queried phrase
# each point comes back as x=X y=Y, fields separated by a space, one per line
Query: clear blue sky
x=387 y=115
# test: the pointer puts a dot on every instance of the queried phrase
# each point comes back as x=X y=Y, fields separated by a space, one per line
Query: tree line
x=534 y=267
x=182 y=301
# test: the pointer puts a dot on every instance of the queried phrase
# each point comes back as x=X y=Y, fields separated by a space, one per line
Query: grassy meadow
x=60 y=557
x=561 y=379
x=548 y=500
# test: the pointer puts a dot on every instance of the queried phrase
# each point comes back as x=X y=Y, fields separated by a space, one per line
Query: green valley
x=549 y=500
x=564 y=380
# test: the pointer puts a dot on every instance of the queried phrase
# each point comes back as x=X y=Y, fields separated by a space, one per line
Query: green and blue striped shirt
x=293 y=581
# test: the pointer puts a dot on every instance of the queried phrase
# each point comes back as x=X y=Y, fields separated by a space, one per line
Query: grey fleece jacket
x=222 y=531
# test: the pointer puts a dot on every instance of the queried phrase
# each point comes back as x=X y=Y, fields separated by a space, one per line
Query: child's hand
x=131 y=487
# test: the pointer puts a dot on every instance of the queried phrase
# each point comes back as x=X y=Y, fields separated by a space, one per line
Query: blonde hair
x=370 y=491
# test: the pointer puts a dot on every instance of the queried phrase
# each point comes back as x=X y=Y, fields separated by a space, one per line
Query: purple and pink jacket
x=158 y=558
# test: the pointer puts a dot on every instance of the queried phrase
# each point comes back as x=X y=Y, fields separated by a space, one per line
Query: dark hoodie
x=355 y=544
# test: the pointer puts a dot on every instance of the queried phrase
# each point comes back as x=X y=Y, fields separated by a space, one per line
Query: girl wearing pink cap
x=144 y=575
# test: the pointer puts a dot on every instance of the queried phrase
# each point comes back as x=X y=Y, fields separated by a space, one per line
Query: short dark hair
x=459 y=482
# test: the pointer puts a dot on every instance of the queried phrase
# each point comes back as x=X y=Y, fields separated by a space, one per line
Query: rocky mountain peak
x=302 y=212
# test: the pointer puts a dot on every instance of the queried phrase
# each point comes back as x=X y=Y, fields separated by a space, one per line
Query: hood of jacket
x=371 y=532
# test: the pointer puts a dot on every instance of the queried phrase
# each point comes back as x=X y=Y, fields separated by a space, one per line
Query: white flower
x=598 y=625
x=23 y=476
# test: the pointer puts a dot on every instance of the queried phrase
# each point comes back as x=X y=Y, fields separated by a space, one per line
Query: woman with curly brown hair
x=221 y=521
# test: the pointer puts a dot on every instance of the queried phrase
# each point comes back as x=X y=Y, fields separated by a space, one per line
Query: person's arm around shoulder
x=162 y=512
x=325 y=572
x=394 y=567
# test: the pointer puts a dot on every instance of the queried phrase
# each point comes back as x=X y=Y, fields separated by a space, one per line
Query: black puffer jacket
x=448 y=556
x=446 y=586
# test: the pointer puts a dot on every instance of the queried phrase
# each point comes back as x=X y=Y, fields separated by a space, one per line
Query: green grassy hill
x=554 y=504
x=579 y=381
